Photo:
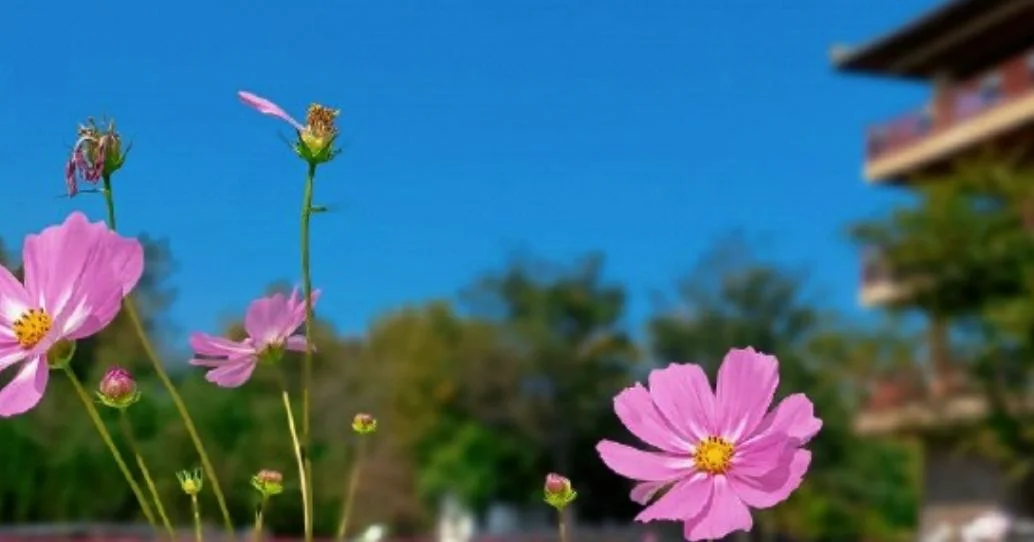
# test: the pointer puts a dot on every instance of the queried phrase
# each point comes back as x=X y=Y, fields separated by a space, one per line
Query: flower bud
x=558 y=491
x=118 y=389
x=364 y=424
x=190 y=481
x=268 y=482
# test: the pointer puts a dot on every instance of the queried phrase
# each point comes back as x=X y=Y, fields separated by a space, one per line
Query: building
x=977 y=56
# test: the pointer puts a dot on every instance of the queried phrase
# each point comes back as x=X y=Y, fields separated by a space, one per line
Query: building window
x=991 y=89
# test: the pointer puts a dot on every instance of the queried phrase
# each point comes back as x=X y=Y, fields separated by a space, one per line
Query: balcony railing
x=953 y=105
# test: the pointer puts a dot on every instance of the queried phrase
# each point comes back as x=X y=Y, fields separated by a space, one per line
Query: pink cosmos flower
x=719 y=453
x=76 y=275
x=270 y=322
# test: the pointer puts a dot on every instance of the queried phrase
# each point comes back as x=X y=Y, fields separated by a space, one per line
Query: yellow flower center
x=31 y=327
x=713 y=455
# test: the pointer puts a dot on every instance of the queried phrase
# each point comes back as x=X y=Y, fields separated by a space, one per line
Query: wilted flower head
x=558 y=491
x=271 y=323
x=96 y=153
x=118 y=389
x=720 y=453
x=364 y=424
x=268 y=482
x=191 y=482
x=76 y=275
x=316 y=138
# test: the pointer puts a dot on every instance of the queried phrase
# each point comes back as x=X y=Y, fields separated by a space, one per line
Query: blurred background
x=538 y=203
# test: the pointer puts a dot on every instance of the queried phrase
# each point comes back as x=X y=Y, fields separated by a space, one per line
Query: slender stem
x=197 y=517
x=353 y=484
x=106 y=437
x=257 y=536
x=301 y=465
x=306 y=473
x=127 y=433
x=109 y=202
x=562 y=524
x=159 y=369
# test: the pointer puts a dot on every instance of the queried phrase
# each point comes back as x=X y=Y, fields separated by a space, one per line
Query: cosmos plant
x=714 y=454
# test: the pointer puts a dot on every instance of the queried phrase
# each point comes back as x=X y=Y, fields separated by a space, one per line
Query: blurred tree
x=566 y=324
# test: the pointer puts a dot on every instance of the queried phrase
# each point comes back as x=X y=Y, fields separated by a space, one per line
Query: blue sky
x=644 y=129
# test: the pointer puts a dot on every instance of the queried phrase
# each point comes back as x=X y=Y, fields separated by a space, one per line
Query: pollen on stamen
x=31 y=327
x=320 y=119
x=713 y=455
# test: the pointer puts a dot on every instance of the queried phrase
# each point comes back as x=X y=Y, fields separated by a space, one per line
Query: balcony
x=879 y=285
x=993 y=106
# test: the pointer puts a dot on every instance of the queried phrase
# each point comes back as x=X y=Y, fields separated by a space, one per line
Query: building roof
x=960 y=38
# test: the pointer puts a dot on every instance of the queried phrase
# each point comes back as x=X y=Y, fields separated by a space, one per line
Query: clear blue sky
x=641 y=128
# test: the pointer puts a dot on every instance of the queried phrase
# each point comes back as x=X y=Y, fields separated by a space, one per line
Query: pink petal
x=232 y=374
x=635 y=409
x=724 y=514
x=25 y=390
x=262 y=320
x=10 y=353
x=747 y=381
x=296 y=343
x=69 y=273
x=685 y=499
x=297 y=305
x=267 y=107
x=14 y=300
x=776 y=486
x=644 y=491
x=126 y=258
x=794 y=415
x=643 y=466
x=208 y=345
x=683 y=395
x=761 y=455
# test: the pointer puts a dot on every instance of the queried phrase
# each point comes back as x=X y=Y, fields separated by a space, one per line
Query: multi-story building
x=978 y=58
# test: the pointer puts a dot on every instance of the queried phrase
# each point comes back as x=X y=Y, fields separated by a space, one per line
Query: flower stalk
x=95 y=417
x=303 y=447
x=304 y=481
x=363 y=425
x=127 y=433
x=159 y=369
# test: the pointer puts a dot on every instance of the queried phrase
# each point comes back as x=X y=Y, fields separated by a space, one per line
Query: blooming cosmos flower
x=76 y=275
x=315 y=138
x=719 y=452
x=270 y=323
x=96 y=153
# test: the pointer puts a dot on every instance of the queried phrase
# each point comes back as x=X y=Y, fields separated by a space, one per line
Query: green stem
x=306 y=505
x=307 y=365
x=353 y=484
x=159 y=369
x=257 y=536
x=197 y=517
x=562 y=524
x=127 y=433
x=106 y=437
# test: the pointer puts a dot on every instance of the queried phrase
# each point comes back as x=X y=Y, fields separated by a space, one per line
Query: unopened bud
x=268 y=482
x=118 y=389
x=558 y=491
x=190 y=481
x=364 y=424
